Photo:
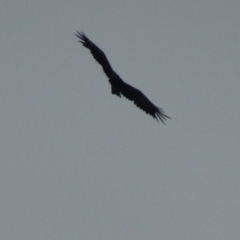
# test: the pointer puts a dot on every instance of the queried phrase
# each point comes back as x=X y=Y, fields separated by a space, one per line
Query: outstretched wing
x=119 y=87
x=141 y=101
x=97 y=53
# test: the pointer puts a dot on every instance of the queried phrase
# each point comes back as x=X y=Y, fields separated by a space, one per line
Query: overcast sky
x=77 y=162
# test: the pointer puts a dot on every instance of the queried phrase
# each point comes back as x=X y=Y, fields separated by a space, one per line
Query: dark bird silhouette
x=119 y=87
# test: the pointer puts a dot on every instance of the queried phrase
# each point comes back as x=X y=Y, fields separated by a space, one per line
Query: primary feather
x=119 y=87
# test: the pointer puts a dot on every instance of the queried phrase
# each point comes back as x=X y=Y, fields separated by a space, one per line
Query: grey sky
x=80 y=163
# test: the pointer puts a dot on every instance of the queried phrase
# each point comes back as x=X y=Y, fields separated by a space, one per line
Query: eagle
x=119 y=87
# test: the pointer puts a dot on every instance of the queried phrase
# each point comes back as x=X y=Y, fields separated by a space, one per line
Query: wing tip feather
x=82 y=37
x=160 y=115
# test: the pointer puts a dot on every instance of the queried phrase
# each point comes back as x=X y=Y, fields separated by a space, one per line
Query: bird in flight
x=119 y=87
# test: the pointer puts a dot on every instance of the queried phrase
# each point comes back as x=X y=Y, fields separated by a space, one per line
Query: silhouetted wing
x=141 y=101
x=119 y=87
x=97 y=53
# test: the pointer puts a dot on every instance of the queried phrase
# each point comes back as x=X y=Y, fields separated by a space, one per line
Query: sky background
x=77 y=162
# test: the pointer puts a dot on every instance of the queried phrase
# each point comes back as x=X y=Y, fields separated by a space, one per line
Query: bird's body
x=119 y=87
